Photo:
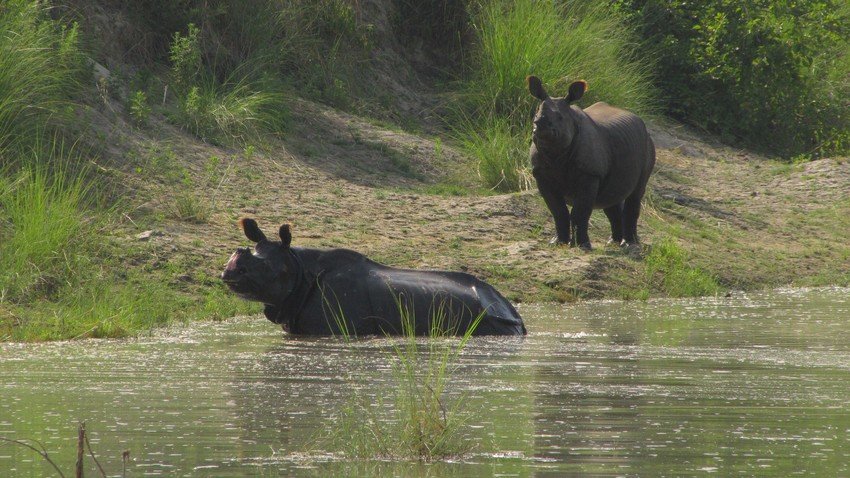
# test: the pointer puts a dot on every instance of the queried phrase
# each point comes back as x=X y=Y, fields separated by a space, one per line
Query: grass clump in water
x=417 y=424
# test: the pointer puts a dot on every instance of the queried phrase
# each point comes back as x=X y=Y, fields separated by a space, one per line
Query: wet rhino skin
x=340 y=291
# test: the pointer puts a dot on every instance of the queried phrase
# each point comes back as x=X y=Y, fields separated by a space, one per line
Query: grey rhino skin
x=597 y=158
x=339 y=292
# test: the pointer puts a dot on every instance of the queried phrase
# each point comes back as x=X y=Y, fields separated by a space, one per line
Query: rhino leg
x=631 y=212
x=631 y=208
x=582 y=207
x=615 y=217
x=558 y=207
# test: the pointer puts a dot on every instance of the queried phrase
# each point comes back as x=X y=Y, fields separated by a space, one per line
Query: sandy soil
x=345 y=181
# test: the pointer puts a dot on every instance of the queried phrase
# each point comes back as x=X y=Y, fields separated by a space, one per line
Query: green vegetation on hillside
x=772 y=74
x=61 y=275
x=560 y=43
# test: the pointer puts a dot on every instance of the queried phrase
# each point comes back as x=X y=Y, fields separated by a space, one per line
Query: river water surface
x=753 y=385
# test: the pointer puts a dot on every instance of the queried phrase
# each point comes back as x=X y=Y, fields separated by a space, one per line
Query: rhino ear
x=577 y=89
x=535 y=86
x=252 y=230
x=285 y=236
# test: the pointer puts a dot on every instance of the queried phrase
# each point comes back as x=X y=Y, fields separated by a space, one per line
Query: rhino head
x=555 y=125
x=264 y=274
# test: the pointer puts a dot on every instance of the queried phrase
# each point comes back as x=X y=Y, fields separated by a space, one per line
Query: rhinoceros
x=597 y=158
x=342 y=292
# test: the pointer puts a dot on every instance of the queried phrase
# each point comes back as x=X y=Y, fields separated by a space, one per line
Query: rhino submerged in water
x=339 y=291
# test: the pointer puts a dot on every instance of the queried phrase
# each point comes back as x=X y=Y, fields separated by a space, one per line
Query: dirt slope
x=343 y=181
x=348 y=181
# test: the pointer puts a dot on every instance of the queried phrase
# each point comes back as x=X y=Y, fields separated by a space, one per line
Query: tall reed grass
x=416 y=423
x=557 y=41
x=41 y=66
x=42 y=211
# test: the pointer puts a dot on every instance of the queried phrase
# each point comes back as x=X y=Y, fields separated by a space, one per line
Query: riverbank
x=745 y=221
x=125 y=173
x=726 y=219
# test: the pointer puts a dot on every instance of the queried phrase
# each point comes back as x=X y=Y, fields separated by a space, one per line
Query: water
x=749 y=385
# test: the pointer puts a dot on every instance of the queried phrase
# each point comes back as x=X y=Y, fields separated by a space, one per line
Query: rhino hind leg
x=631 y=212
x=615 y=217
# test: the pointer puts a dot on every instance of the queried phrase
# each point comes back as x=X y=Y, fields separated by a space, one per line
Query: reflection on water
x=750 y=385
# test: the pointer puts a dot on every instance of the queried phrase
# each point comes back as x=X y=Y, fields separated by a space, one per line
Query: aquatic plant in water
x=417 y=424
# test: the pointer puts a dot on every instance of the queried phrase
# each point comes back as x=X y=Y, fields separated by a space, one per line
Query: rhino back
x=624 y=135
x=368 y=295
x=453 y=298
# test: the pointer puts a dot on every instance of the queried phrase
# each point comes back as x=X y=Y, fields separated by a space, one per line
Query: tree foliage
x=773 y=73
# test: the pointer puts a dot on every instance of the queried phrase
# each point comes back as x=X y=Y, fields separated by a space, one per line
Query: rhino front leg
x=558 y=207
x=582 y=207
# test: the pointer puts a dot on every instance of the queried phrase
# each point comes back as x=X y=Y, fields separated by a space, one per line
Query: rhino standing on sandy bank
x=597 y=158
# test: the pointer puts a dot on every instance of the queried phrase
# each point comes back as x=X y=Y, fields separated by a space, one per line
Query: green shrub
x=140 y=111
x=185 y=56
x=559 y=42
x=775 y=74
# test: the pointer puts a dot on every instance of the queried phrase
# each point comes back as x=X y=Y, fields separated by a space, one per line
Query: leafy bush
x=775 y=74
x=185 y=56
x=140 y=111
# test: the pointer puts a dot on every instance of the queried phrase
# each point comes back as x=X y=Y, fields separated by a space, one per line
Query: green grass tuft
x=235 y=111
x=668 y=266
x=40 y=67
x=42 y=241
x=502 y=153
x=418 y=424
